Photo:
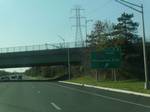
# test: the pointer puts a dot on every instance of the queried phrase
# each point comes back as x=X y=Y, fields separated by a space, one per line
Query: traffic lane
x=73 y=99
x=23 y=97
x=118 y=95
x=13 y=99
x=54 y=97
x=106 y=102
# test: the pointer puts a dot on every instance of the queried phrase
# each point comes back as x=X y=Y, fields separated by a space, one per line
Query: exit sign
x=107 y=58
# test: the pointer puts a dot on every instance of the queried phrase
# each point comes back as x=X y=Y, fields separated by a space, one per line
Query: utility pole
x=68 y=57
x=139 y=9
x=78 y=32
x=69 y=67
x=147 y=84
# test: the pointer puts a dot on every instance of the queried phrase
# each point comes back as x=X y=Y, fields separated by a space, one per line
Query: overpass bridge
x=40 y=55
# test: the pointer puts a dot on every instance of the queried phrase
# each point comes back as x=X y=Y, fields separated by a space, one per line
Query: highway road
x=58 y=97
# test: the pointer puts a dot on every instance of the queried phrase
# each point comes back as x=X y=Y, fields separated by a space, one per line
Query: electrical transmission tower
x=78 y=32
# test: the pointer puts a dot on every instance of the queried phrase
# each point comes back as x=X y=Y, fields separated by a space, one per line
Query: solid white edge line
x=109 y=89
x=106 y=97
x=55 y=106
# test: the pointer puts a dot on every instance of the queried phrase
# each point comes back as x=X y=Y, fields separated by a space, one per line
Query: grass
x=131 y=85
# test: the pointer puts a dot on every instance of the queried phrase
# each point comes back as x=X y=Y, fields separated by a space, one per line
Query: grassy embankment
x=131 y=85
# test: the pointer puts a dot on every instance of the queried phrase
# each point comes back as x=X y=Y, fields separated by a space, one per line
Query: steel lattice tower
x=78 y=32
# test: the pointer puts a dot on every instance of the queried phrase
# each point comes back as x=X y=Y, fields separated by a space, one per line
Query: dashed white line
x=55 y=106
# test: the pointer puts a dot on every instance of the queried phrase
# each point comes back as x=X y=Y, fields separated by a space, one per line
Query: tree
x=99 y=39
x=126 y=29
x=100 y=35
x=34 y=71
x=125 y=36
x=125 y=33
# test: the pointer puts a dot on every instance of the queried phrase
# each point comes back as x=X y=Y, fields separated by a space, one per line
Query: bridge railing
x=45 y=46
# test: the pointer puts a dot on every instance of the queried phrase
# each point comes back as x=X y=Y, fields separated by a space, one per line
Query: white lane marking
x=106 y=97
x=55 y=106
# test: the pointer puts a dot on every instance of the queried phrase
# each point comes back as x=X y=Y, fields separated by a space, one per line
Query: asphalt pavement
x=58 y=97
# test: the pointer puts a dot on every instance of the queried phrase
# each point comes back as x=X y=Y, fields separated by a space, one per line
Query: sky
x=30 y=22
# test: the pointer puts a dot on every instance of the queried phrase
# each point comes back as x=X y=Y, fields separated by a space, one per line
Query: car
x=13 y=77
x=19 y=77
x=5 y=78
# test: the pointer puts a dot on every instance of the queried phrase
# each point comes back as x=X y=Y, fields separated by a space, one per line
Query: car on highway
x=16 y=77
x=20 y=77
x=13 y=77
x=4 y=78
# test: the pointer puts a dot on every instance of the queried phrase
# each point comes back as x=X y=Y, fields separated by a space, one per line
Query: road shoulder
x=108 y=89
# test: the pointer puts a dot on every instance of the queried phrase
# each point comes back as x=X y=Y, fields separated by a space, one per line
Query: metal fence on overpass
x=45 y=46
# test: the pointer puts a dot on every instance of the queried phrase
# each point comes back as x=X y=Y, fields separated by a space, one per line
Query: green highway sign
x=107 y=58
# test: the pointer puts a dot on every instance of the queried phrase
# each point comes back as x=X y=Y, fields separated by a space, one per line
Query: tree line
x=46 y=71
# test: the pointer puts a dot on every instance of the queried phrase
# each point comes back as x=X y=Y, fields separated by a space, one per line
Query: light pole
x=139 y=9
x=69 y=67
x=62 y=39
x=86 y=25
x=68 y=57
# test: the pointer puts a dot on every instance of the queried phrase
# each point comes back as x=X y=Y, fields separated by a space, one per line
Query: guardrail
x=45 y=46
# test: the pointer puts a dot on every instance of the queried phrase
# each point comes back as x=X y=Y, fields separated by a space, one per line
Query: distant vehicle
x=20 y=77
x=16 y=77
x=13 y=77
x=4 y=78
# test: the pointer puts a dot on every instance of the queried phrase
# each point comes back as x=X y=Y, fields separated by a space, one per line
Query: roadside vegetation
x=131 y=85
x=5 y=73
x=123 y=34
x=46 y=72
